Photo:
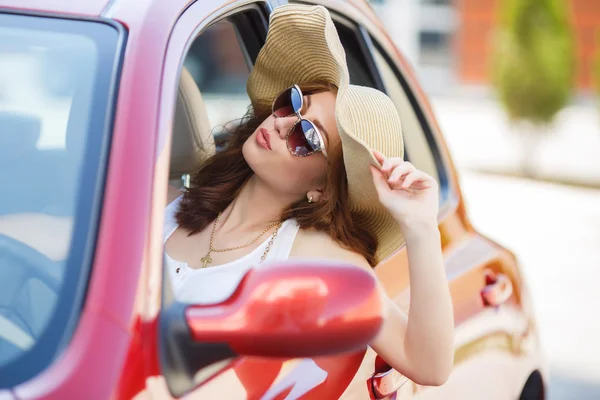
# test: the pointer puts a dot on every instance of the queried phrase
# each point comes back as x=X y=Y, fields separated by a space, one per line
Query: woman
x=300 y=178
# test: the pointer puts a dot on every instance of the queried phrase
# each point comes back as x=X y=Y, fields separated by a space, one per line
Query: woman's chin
x=252 y=153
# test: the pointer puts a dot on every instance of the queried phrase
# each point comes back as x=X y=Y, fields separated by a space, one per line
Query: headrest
x=19 y=134
x=193 y=142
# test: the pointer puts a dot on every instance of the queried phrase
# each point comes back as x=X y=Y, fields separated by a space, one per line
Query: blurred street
x=554 y=229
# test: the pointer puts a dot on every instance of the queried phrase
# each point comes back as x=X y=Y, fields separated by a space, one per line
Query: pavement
x=554 y=229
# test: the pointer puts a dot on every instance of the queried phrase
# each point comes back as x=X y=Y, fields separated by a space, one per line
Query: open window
x=212 y=89
x=220 y=60
x=420 y=146
x=369 y=65
x=362 y=72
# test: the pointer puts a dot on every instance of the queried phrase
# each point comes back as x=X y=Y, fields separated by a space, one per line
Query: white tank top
x=216 y=284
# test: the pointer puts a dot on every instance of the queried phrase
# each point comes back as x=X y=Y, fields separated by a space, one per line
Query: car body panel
x=114 y=350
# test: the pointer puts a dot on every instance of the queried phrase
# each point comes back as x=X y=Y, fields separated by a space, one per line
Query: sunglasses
x=303 y=139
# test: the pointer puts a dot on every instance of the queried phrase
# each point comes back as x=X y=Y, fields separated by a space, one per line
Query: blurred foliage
x=533 y=59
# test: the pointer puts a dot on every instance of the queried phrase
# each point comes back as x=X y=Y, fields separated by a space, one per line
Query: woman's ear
x=313 y=196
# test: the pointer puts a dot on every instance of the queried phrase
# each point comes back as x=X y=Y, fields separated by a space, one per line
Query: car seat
x=192 y=142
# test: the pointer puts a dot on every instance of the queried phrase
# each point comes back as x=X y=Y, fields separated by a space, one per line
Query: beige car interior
x=193 y=141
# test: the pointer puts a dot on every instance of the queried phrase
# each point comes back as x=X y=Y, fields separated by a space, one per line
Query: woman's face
x=276 y=165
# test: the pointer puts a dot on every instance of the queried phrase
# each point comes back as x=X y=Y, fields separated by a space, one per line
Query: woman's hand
x=410 y=195
x=422 y=347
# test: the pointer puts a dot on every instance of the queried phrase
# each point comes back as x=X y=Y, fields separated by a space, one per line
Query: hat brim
x=302 y=47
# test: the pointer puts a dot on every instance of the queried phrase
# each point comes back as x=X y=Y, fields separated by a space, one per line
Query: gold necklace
x=207 y=258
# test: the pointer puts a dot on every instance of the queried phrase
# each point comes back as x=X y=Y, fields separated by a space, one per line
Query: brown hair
x=219 y=180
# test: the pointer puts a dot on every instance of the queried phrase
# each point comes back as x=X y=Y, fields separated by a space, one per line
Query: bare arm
x=418 y=346
x=421 y=346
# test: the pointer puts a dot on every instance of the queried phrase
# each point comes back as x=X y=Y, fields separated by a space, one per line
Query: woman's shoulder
x=319 y=244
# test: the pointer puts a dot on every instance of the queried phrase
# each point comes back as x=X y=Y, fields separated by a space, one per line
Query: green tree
x=533 y=66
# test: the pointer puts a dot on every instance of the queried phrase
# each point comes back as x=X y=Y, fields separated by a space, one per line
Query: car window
x=358 y=67
x=218 y=63
x=420 y=146
x=55 y=80
x=416 y=143
x=368 y=66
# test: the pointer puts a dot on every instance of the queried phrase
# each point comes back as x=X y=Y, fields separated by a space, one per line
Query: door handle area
x=387 y=383
x=497 y=290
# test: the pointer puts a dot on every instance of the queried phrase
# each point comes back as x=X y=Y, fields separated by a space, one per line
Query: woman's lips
x=263 y=140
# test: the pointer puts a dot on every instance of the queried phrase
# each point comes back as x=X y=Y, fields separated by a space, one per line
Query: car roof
x=97 y=7
x=77 y=7
x=127 y=11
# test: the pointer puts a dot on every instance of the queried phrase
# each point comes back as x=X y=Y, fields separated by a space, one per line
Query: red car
x=102 y=102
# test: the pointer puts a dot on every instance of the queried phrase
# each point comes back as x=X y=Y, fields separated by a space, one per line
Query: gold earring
x=310 y=199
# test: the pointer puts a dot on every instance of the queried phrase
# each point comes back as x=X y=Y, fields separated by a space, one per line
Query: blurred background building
x=448 y=41
x=477 y=20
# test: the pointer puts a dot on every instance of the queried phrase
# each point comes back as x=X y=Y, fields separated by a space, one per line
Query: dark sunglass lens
x=282 y=107
x=303 y=139
x=296 y=99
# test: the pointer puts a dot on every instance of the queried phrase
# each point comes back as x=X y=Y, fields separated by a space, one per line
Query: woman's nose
x=284 y=124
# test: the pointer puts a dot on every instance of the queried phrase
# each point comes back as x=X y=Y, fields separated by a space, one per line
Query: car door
x=218 y=48
x=483 y=277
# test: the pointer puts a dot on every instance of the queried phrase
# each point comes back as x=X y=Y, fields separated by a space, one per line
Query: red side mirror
x=293 y=309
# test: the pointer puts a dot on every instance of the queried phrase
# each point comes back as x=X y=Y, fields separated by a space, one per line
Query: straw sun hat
x=303 y=46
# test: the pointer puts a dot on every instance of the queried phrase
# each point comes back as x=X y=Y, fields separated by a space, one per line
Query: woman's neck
x=255 y=207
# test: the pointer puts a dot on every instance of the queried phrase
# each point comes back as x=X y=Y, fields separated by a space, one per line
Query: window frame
x=250 y=45
x=262 y=7
x=368 y=42
x=442 y=170
x=184 y=375
x=362 y=45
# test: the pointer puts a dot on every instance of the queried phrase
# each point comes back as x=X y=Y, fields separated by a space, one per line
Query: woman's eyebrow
x=316 y=122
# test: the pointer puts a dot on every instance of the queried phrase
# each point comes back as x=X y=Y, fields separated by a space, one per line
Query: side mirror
x=288 y=309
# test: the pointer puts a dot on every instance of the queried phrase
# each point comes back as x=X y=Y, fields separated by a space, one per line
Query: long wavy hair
x=220 y=179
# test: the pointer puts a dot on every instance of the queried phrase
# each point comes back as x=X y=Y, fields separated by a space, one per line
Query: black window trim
x=442 y=170
x=363 y=46
x=367 y=44
x=243 y=20
x=239 y=17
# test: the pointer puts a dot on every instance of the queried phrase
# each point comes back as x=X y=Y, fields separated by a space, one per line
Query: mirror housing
x=300 y=309
x=296 y=308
